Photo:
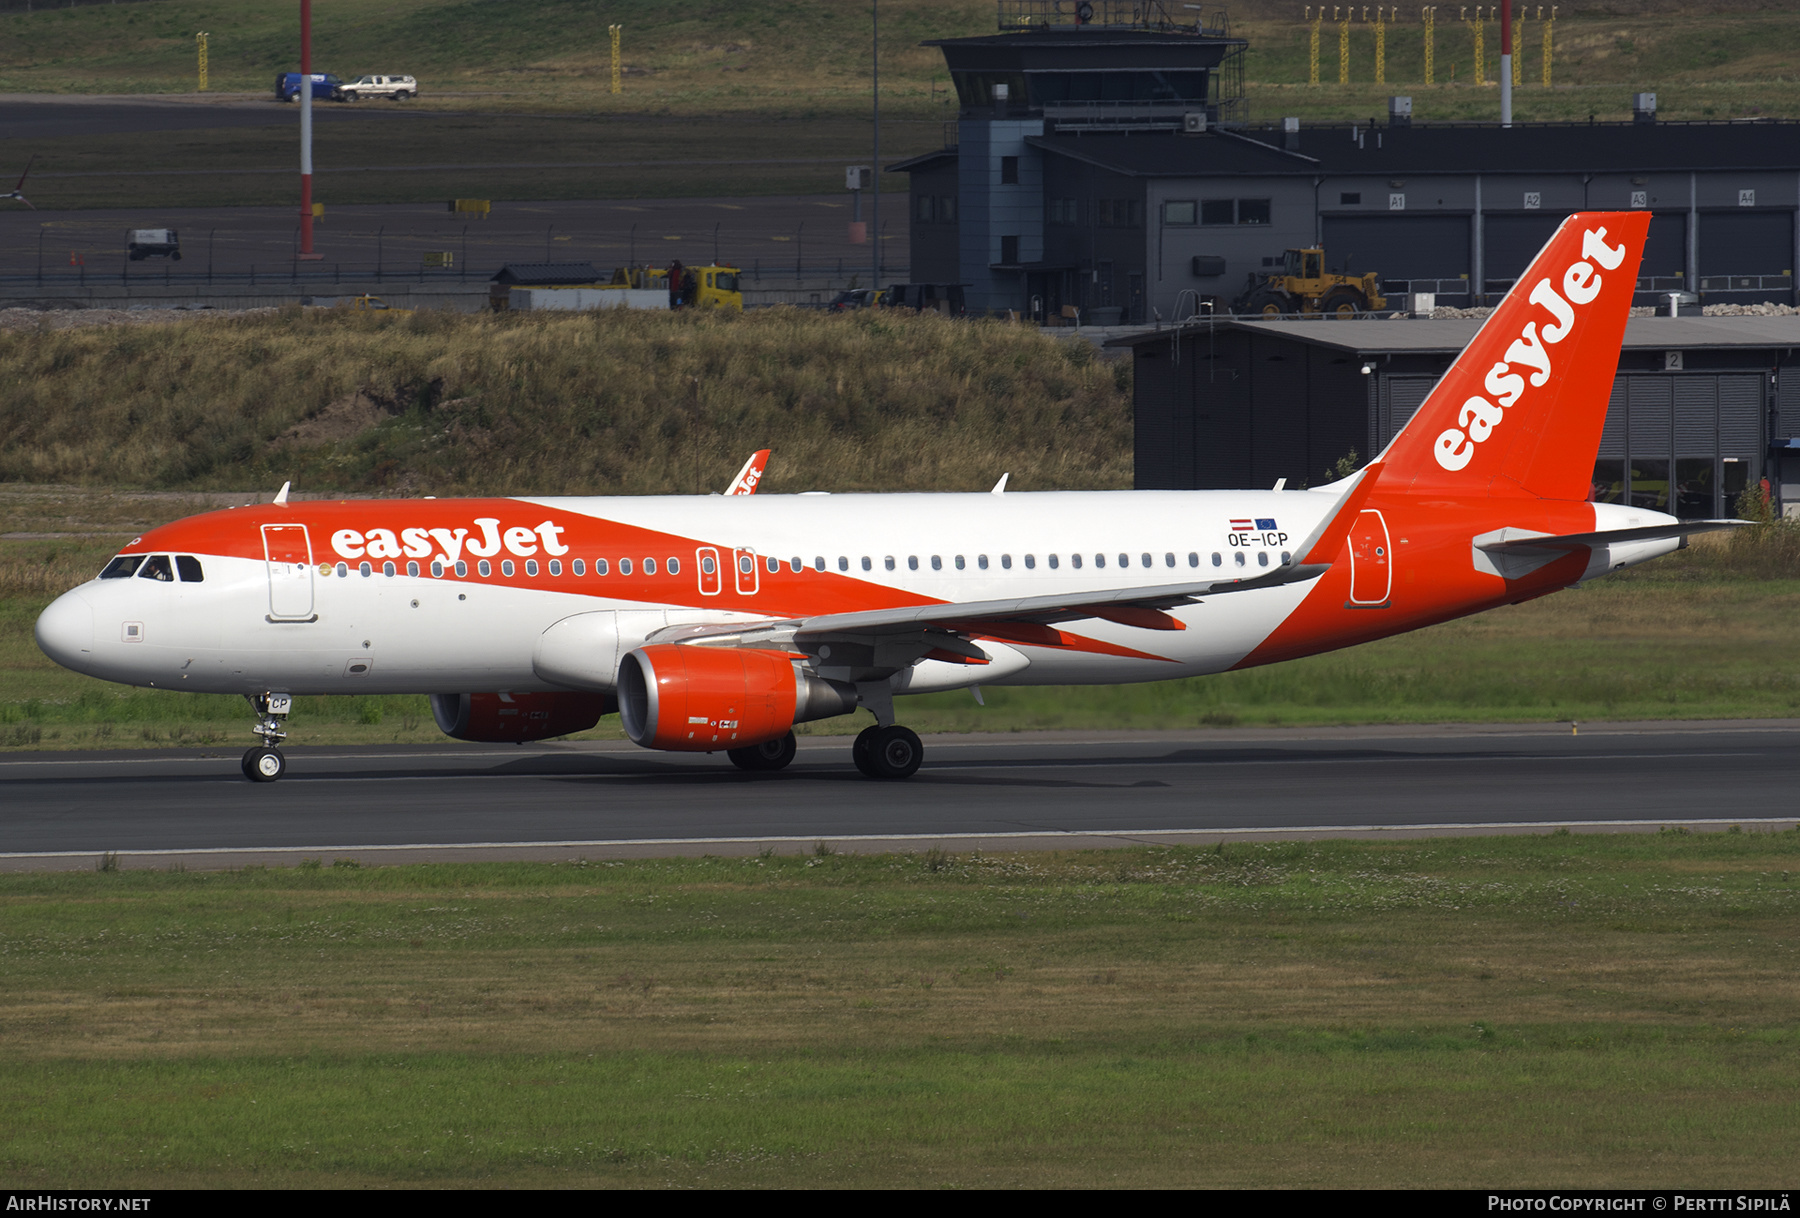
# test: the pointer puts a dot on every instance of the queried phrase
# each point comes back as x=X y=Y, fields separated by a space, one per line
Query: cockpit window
x=157 y=567
x=189 y=569
x=122 y=567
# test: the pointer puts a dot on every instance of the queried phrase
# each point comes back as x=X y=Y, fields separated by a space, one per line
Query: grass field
x=718 y=81
x=1609 y=1011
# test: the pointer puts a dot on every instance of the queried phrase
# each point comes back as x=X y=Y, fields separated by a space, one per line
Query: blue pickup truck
x=287 y=86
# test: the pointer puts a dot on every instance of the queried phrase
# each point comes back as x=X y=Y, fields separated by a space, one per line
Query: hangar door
x=1399 y=400
x=1681 y=443
x=1403 y=248
x=1511 y=242
x=1747 y=256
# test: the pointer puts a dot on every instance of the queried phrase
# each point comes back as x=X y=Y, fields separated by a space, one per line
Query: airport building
x=1701 y=407
x=1104 y=159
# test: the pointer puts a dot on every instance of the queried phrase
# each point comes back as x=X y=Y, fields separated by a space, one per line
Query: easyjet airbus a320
x=717 y=623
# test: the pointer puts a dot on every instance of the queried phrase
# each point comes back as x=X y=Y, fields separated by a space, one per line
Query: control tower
x=1068 y=67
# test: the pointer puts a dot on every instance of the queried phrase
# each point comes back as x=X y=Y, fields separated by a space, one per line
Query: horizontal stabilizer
x=1513 y=540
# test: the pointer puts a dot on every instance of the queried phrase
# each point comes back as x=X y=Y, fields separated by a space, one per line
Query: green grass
x=1543 y=1011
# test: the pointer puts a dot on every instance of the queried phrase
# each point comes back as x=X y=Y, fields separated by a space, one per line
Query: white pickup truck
x=397 y=87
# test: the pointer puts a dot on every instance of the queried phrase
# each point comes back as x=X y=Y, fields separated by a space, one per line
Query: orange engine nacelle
x=703 y=699
x=516 y=718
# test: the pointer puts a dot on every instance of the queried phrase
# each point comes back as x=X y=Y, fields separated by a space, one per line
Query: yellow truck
x=1303 y=286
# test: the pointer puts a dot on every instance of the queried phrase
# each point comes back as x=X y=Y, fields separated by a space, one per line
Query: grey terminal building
x=1105 y=159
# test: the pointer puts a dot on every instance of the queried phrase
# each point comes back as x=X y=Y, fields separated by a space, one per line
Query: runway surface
x=998 y=792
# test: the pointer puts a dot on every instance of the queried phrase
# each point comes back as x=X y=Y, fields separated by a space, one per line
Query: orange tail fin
x=1522 y=408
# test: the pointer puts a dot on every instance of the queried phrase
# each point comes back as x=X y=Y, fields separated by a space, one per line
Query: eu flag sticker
x=1265 y=522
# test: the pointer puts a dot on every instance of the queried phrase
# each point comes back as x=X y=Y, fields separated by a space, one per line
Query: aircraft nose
x=65 y=631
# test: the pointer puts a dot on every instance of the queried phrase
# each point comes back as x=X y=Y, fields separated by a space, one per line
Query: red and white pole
x=306 y=101
x=1506 y=52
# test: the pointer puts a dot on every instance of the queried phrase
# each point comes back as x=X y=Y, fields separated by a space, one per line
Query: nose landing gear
x=266 y=764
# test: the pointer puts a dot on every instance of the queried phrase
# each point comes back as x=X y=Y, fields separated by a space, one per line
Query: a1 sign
x=1746 y=198
x=858 y=177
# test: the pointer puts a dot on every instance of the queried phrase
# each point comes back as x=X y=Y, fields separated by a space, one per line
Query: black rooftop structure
x=1701 y=407
x=1120 y=174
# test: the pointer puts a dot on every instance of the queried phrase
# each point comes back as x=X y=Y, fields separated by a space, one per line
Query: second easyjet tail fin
x=1522 y=408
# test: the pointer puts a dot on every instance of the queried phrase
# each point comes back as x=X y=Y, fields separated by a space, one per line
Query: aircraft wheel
x=766 y=757
x=264 y=764
x=862 y=750
x=893 y=753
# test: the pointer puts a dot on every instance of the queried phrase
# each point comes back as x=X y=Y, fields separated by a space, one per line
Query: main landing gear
x=265 y=763
x=889 y=752
x=764 y=758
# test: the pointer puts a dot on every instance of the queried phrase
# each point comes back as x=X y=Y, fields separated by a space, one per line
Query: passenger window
x=412 y=569
x=819 y=563
x=912 y=562
x=1238 y=558
x=796 y=564
x=869 y=566
x=1262 y=558
x=1054 y=562
x=746 y=565
x=1075 y=561
x=1006 y=562
x=1216 y=559
x=157 y=567
x=556 y=566
x=959 y=562
x=531 y=567
x=888 y=562
x=624 y=566
x=389 y=569
x=1030 y=561
x=1286 y=558
x=122 y=567
x=462 y=569
x=506 y=567
x=368 y=569
x=1145 y=560
x=481 y=568
x=1168 y=560
x=600 y=567
x=577 y=567
x=437 y=569
x=1124 y=560
x=774 y=565
x=937 y=564
x=188 y=567
x=674 y=566
x=707 y=566
x=1099 y=560
x=649 y=566
x=1193 y=559
x=982 y=562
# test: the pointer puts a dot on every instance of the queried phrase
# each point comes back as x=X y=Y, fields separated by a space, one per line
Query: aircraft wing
x=1141 y=606
x=1513 y=540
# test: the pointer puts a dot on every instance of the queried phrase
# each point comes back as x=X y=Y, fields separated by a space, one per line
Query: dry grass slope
x=602 y=403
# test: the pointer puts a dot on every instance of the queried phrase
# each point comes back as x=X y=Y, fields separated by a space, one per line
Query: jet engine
x=698 y=699
x=516 y=718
